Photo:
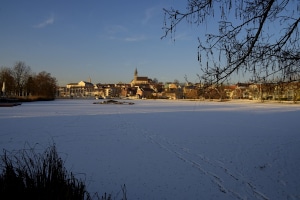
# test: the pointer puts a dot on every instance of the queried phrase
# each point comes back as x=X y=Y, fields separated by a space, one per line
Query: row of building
x=144 y=87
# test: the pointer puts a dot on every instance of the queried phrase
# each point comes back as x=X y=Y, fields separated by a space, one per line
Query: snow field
x=167 y=149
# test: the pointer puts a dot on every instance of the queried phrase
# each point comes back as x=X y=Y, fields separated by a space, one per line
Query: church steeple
x=135 y=74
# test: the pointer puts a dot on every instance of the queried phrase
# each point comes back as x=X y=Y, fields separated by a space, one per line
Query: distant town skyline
x=135 y=74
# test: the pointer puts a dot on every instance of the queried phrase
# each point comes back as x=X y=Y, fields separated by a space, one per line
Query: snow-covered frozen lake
x=164 y=149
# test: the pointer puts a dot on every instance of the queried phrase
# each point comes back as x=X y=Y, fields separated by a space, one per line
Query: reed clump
x=26 y=174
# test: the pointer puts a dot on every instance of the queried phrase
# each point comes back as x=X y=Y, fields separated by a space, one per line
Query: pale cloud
x=182 y=36
x=115 y=29
x=121 y=33
x=45 y=23
x=135 y=39
x=127 y=39
x=149 y=14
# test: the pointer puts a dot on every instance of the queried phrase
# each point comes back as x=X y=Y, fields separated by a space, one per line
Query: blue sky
x=104 y=40
x=101 y=39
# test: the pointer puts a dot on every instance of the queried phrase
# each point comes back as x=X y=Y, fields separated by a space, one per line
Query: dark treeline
x=20 y=82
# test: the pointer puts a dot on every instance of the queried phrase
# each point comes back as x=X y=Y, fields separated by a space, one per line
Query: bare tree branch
x=245 y=44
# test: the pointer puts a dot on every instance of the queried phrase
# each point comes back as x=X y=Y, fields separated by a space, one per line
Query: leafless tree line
x=21 y=81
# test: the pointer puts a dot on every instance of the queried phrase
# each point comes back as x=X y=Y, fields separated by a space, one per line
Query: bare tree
x=7 y=77
x=155 y=80
x=44 y=85
x=260 y=37
x=21 y=73
x=176 y=81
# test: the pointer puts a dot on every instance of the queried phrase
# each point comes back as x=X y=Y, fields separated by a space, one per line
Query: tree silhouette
x=21 y=81
x=21 y=72
x=256 y=37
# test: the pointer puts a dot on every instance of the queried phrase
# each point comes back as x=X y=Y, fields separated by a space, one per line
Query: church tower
x=139 y=80
x=135 y=74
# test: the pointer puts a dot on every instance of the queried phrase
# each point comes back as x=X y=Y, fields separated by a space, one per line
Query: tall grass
x=27 y=174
